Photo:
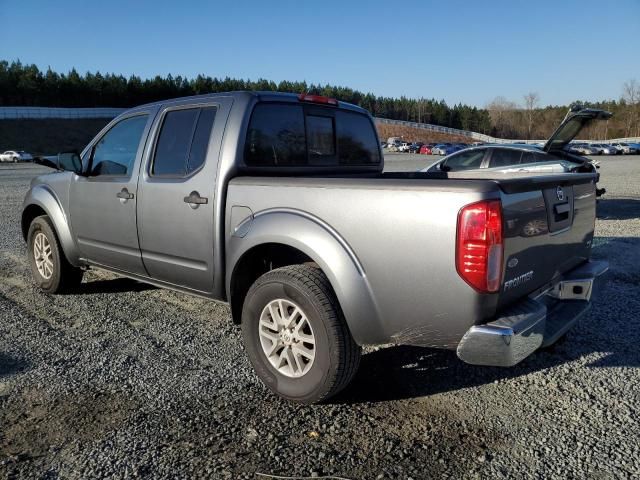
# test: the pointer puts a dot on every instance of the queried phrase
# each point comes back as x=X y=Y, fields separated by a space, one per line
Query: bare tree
x=503 y=114
x=531 y=101
x=631 y=96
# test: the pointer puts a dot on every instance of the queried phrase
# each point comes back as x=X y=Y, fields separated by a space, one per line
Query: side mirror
x=46 y=162
x=70 y=161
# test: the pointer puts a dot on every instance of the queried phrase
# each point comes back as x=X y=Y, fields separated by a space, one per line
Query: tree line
x=26 y=85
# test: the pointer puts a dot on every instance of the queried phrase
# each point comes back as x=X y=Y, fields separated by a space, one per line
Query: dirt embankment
x=411 y=134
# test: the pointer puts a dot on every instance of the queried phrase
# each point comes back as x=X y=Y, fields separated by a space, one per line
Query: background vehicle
x=509 y=158
x=425 y=150
x=440 y=149
x=603 y=149
x=614 y=150
x=404 y=147
x=634 y=148
x=415 y=147
x=240 y=197
x=623 y=147
x=15 y=156
x=578 y=149
x=582 y=149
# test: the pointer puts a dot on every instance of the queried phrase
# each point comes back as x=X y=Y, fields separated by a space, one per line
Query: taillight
x=479 y=245
x=304 y=97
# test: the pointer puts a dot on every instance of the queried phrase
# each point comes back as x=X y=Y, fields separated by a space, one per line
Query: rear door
x=176 y=221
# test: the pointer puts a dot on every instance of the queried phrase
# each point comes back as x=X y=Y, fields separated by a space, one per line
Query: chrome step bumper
x=537 y=321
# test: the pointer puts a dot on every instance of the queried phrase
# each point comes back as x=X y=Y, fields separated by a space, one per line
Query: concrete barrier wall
x=8 y=113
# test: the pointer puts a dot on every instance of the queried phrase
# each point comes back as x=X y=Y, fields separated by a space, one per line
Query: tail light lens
x=479 y=245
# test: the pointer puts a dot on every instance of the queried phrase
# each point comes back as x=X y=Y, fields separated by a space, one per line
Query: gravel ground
x=122 y=380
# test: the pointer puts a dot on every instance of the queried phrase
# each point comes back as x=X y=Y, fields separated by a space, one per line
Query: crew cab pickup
x=278 y=205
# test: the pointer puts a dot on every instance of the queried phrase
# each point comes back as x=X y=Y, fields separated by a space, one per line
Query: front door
x=102 y=202
x=176 y=205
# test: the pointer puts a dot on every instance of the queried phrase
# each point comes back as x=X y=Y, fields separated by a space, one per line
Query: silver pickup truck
x=278 y=205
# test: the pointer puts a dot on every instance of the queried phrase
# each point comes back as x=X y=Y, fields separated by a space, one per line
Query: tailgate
x=548 y=227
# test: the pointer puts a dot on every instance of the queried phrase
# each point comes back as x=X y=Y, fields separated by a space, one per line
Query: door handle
x=124 y=194
x=194 y=199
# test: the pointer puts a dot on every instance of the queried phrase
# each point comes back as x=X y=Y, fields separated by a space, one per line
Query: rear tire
x=331 y=357
x=50 y=268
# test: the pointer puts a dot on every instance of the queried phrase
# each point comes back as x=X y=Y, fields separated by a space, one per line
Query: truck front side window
x=115 y=152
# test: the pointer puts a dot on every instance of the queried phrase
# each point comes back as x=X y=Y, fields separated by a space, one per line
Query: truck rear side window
x=357 y=144
x=293 y=135
x=182 y=143
x=276 y=136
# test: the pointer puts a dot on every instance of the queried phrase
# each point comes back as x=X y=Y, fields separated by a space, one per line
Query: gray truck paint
x=386 y=244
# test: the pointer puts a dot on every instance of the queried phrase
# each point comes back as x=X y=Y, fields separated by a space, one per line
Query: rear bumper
x=537 y=321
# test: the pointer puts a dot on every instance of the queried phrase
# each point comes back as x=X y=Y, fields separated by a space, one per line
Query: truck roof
x=260 y=95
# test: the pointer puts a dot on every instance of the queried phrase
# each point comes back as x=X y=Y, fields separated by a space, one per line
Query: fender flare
x=46 y=199
x=320 y=242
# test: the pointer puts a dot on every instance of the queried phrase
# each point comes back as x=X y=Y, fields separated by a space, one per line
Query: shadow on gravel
x=10 y=365
x=618 y=209
x=116 y=285
x=405 y=372
x=402 y=372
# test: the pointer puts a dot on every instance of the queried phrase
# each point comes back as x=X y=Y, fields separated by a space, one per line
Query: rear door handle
x=124 y=194
x=194 y=199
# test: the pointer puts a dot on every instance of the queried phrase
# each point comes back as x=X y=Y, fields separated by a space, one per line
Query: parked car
x=15 y=156
x=617 y=148
x=415 y=147
x=404 y=147
x=240 y=197
x=425 y=150
x=444 y=149
x=582 y=149
x=603 y=149
x=623 y=147
x=508 y=158
x=634 y=148
x=522 y=159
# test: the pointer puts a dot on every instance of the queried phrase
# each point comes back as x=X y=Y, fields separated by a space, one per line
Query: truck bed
x=401 y=231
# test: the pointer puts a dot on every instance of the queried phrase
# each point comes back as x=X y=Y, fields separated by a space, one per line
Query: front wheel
x=50 y=268
x=296 y=337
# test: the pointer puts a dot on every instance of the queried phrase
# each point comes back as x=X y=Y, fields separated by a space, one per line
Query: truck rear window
x=297 y=135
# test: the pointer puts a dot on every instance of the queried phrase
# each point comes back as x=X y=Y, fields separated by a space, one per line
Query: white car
x=625 y=147
x=404 y=147
x=15 y=156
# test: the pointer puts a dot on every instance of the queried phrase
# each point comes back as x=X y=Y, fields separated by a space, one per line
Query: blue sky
x=460 y=51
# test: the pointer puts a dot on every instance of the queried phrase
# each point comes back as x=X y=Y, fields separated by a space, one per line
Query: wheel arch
x=42 y=201
x=276 y=238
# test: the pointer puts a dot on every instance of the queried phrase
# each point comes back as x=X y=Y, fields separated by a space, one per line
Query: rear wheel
x=50 y=268
x=296 y=337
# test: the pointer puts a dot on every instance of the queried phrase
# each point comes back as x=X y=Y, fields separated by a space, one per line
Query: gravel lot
x=121 y=380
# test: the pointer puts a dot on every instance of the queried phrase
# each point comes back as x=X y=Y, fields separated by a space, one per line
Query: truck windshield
x=297 y=135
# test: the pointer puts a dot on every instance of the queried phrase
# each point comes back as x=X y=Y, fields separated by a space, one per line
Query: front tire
x=296 y=336
x=51 y=270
